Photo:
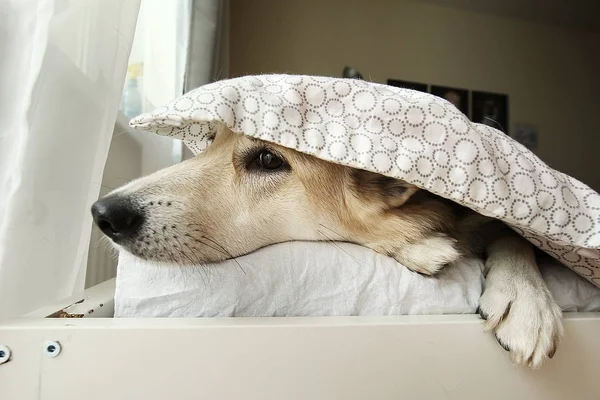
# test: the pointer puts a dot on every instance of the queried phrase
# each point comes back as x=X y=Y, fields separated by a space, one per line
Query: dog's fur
x=224 y=203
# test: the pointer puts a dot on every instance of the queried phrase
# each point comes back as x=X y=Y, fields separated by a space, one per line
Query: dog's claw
x=552 y=352
x=504 y=346
x=481 y=313
x=526 y=323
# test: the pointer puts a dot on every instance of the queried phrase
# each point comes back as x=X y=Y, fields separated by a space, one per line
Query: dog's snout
x=117 y=217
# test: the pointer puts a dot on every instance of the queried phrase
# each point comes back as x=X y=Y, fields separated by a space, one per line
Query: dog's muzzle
x=118 y=217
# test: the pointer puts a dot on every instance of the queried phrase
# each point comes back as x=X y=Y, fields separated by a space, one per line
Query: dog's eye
x=269 y=161
x=264 y=160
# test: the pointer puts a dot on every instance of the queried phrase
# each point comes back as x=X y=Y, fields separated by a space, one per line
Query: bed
x=156 y=332
x=416 y=356
x=102 y=343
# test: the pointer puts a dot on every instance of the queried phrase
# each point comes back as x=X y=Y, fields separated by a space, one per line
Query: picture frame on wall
x=526 y=134
x=456 y=96
x=421 y=87
x=490 y=109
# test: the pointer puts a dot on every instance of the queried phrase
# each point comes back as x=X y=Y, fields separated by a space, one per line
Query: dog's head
x=241 y=194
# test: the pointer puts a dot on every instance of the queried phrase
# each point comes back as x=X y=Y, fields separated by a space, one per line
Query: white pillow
x=404 y=134
x=291 y=280
x=315 y=279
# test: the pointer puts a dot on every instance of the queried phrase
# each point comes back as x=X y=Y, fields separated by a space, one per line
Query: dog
x=242 y=194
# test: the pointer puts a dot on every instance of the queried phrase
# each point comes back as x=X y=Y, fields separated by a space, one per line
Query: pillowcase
x=295 y=279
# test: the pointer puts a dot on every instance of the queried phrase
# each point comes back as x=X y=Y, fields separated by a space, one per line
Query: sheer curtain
x=62 y=71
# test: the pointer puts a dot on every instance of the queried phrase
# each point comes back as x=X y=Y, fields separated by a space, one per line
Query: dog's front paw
x=429 y=255
x=525 y=319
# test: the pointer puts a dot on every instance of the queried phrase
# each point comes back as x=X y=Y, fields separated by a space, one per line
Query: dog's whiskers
x=209 y=245
x=165 y=240
x=226 y=252
x=173 y=259
x=335 y=244
x=181 y=255
x=330 y=230
x=212 y=244
x=182 y=251
x=198 y=267
x=106 y=245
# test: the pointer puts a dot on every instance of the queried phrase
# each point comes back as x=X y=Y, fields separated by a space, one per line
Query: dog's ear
x=375 y=187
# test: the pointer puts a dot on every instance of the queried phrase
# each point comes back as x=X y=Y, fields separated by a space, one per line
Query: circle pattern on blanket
x=404 y=134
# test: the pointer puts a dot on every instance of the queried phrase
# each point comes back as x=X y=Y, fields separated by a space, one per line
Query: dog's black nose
x=117 y=217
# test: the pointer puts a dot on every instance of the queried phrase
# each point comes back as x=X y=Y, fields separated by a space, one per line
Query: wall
x=549 y=72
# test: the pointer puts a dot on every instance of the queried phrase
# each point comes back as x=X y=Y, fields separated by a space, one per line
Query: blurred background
x=543 y=55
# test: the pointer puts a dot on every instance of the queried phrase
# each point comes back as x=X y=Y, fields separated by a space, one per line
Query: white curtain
x=62 y=68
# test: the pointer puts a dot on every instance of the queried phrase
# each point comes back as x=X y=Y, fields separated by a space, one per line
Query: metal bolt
x=52 y=349
x=4 y=354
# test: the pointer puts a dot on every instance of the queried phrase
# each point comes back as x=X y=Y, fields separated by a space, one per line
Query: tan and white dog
x=242 y=194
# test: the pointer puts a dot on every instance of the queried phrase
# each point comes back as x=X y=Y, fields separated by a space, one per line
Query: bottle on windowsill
x=131 y=100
